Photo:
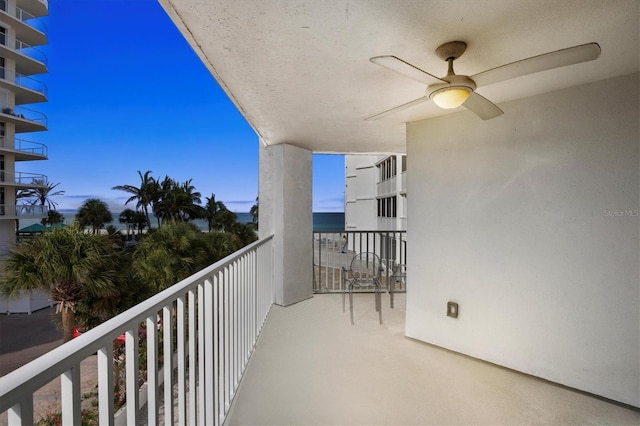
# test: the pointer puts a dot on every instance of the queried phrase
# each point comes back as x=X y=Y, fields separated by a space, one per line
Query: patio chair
x=363 y=273
x=398 y=275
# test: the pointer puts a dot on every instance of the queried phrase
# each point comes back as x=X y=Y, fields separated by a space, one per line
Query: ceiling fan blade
x=482 y=107
x=546 y=61
x=398 y=108
x=405 y=68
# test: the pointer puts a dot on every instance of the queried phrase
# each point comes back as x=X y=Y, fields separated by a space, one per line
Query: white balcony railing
x=30 y=51
x=23 y=81
x=217 y=315
x=23 y=179
x=27 y=147
x=23 y=210
x=30 y=20
x=27 y=114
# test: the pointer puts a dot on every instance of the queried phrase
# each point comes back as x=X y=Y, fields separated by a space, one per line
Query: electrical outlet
x=452 y=309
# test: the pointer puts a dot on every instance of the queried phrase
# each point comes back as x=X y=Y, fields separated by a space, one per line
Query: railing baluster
x=205 y=383
x=131 y=368
x=226 y=327
x=22 y=412
x=152 y=368
x=208 y=352
x=192 y=357
x=167 y=358
x=105 y=385
x=182 y=367
x=216 y=347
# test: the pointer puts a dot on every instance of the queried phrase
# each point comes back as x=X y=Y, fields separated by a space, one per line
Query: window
x=387 y=207
x=3 y=36
x=387 y=169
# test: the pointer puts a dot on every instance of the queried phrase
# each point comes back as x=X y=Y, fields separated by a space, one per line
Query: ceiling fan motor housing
x=454 y=82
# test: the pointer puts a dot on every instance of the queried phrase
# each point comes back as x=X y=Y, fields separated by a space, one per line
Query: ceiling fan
x=453 y=90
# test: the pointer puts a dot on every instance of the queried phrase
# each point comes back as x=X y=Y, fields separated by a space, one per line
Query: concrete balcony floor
x=312 y=367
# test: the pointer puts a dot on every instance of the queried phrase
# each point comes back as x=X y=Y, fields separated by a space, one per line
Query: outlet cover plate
x=452 y=309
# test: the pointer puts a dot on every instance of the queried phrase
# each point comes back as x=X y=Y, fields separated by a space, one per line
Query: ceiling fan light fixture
x=450 y=97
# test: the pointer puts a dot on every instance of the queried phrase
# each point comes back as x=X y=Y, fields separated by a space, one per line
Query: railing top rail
x=42 y=370
x=359 y=231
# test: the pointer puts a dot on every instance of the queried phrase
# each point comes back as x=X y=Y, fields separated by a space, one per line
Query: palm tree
x=168 y=255
x=244 y=232
x=127 y=217
x=144 y=194
x=178 y=202
x=254 y=213
x=70 y=265
x=140 y=221
x=190 y=208
x=160 y=203
x=42 y=194
x=94 y=213
x=218 y=217
x=53 y=218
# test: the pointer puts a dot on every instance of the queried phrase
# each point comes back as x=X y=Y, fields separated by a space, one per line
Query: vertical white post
x=21 y=413
x=192 y=357
x=182 y=365
x=131 y=369
x=207 y=353
x=70 y=398
x=152 y=369
x=105 y=385
x=167 y=357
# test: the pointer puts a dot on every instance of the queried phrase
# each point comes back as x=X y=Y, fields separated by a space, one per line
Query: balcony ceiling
x=299 y=71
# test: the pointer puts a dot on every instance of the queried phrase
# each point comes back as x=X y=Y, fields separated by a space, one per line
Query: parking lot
x=25 y=337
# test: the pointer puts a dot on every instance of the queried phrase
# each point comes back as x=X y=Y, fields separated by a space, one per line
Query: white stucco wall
x=530 y=223
x=360 y=192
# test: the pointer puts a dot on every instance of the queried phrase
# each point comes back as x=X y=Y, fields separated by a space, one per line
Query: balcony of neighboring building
x=28 y=27
x=29 y=59
x=22 y=211
x=27 y=90
x=34 y=7
x=24 y=150
x=24 y=119
x=387 y=187
x=389 y=224
x=23 y=180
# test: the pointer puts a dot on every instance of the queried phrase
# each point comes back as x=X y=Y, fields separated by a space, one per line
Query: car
x=79 y=331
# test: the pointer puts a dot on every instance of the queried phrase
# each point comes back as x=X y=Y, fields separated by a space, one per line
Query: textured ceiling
x=299 y=71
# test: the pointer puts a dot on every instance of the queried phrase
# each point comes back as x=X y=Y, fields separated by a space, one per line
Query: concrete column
x=285 y=212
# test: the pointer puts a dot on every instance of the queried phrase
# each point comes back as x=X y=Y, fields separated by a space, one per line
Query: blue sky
x=127 y=93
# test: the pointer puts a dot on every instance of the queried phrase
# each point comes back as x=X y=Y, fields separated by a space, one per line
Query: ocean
x=324 y=221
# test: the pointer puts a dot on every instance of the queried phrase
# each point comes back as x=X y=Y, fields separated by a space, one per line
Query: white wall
x=27 y=303
x=530 y=223
x=360 y=192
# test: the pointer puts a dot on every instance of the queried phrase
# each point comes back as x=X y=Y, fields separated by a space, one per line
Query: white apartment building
x=21 y=31
x=375 y=192
x=376 y=200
